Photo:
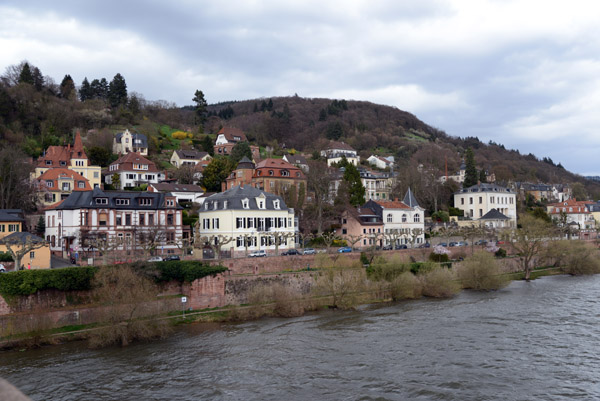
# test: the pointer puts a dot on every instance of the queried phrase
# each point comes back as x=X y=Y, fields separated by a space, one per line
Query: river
x=530 y=341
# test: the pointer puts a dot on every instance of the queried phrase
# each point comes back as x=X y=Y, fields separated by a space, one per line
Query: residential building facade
x=477 y=200
x=574 y=212
x=381 y=162
x=362 y=227
x=244 y=219
x=127 y=142
x=336 y=151
x=133 y=170
x=183 y=193
x=188 y=157
x=12 y=236
x=57 y=184
x=124 y=223
x=74 y=158
x=228 y=137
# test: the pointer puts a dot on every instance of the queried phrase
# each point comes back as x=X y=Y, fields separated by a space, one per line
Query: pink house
x=361 y=227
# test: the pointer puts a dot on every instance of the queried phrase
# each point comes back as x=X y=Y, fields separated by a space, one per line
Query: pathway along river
x=530 y=341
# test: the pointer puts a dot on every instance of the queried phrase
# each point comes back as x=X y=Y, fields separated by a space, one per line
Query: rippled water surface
x=530 y=341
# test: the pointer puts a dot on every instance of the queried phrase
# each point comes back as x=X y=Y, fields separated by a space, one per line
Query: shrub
x=26 y=282
x=364 y=259
x=581 y=259
x=6 y=257
x=343 y=285
x=181 y=135
x=181 y=271
x=386 y=269
x=406 y=286
x=500 y=253
x=481 y=272
x=439 y=258
x=439 y=283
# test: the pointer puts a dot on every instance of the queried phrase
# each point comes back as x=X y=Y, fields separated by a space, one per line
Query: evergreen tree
x=240 y=150
x=67 y=87
x=99 y=89
x=201 y=105
x=85 y=92
x=255 y=108
x=356 y=190
x=334 y=131
x=133 y=104
x=38 y=79
x=301 y=196
x=26 y=75
x=40 y=228
x=207 y=145
x=482 y=176
x=215 y=173
x=117 y=91
x=270 y=105
x=471 y=174
x=322 y=115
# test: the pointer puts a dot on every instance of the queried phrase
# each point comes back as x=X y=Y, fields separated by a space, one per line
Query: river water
x=530 y=341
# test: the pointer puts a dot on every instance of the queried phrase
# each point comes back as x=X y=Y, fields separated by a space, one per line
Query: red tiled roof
x=57 y=154
x=395 y=204
x=126 y=162
x=231 y=132
x=53 y=174
x=340 y=145
x=276 y=165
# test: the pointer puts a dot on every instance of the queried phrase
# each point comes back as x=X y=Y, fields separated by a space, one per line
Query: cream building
x=246 y=219
x=478 y=200
x=126 y=142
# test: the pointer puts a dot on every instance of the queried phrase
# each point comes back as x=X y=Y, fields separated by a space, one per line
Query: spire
x=409 y=199
x=78 y=152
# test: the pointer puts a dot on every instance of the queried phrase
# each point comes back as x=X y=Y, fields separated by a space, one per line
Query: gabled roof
x=295 y=159
x=191 y=154
x=11 y=215
x=235 y=195
x=277 y=166
x=364 y=216
x=135 y=136
x=395 y=204
x=494 y=214
x=133 y=158
x=231 y=133
x=335 y=145
x=21 y=237
x=54 y=174
x=410 y=200
x=485 y=187
x=57 y=154
x=87 y=200
x=166 y=187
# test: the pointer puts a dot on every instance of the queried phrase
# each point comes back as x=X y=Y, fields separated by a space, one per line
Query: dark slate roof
x=295 y=159
x=484 y=187
x=168 y=187
x=494 y=214
x=11 y=215
x=190 y=154
x=135 y=136
x=410 y=199
x=235 y=195
x=21 y=237
x=245 y=163
x=87 y=200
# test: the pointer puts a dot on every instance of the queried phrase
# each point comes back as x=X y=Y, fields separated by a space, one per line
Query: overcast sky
x=522 y=73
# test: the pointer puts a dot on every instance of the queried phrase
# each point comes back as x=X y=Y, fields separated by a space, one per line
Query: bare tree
x=353 y=239
x=19 y=244
x=320 y=178
x=215 y=242
x=17 y=190
x=329 y=238
x=528 y=241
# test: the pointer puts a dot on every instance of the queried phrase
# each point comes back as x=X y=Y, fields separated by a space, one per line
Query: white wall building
x=478 y=200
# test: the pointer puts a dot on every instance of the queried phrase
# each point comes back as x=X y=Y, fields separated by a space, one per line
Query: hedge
x=26 y=282
x=181 y=271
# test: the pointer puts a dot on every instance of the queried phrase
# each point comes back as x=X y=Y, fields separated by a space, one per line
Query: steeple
x=410 y=200
x=78 y=152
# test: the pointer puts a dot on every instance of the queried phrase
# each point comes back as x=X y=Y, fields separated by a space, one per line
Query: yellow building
x=33 y=251
x=73 y=158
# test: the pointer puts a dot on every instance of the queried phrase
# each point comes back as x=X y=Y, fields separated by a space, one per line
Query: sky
x=525 y=74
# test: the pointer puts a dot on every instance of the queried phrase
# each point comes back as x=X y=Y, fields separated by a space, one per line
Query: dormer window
x=121 y=202
x=63 y=163
x=48 y=162
x=101 y=201
x=80 y=184
x=245 y=203
x=276 y=204
x=49 y=183
x=271 y=172
x=205 y=205
x=225 y=204
x=285 y=173
x=145 y=202
x=215 y=205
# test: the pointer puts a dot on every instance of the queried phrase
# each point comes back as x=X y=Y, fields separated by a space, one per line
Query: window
x=285 y=173
x=49 y=198
x=128 y=219
x=96 y=174
x=170 y=219
x=63 y=163
x=13 y=228
x=239 y=222
x=245 y=204
x=276 y=205
x=80 y=184
x=389 y=218
x=225 y=204
x=271 y=172
x=121 y=202
x=66 y=186
x=462 y=201
x=417 y=218
x=480 y=200
x=131 y=176
x=32 y=255
x=206 y=224
x=145 y=202
x=48 y=162
x=102 y=219
x=49 y=183
x=261 y=204
x=471 y=200
x=151 y=219
x=344 y=221
x=480 y=212
x=344 y=231
x=404 y=218
x=215 y=223
x=101 y=201
x=119 y=221
x=142 y=219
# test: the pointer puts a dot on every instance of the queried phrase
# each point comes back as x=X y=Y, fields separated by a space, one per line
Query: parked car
x=155 y=259
x=480 y=242
x=2 y=268
x=403 y=246
x=309 y=251
x=425 y=245
x=258 y=254
x=462 y=243
x=290 y=252
x=443 y=244
x=499 y=242
x=172 y=257
x=453 y=243
x=387 y=247
x=345 y=249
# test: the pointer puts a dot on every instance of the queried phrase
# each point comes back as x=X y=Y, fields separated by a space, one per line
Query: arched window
x=389 y=218
x=271 y=172
x=404 y=218
x=417 y=218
